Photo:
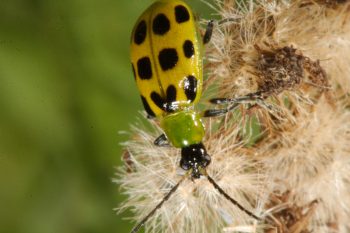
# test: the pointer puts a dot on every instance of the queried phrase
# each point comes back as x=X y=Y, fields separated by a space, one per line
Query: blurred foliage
x=66 y=89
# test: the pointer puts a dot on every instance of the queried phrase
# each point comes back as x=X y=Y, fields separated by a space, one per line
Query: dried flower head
x=284 y=152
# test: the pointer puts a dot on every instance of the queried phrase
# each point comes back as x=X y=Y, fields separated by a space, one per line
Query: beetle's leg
x=257 y=97
x=242 y=99
x=266 y=105
x=210 y=26
x=161 y=141
x=219 y=112
x=208 y=32
x=233 y=104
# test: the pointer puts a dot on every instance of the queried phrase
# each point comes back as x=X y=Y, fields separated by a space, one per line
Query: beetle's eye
x=206 y=160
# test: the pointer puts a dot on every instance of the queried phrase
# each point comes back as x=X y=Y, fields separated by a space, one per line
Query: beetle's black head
x=194 y=157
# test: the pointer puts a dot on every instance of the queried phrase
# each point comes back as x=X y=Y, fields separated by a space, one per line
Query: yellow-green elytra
x=166 y=57
x=167 y=63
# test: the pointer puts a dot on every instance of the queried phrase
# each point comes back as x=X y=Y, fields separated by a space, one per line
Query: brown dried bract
x=316 y=73
x=317 y=77
x=128 y=162
x=292 y=219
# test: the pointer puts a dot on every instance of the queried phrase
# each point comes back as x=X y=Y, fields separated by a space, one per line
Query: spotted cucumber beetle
x=166 y=56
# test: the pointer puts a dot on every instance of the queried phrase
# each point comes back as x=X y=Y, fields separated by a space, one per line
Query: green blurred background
x=66 y=89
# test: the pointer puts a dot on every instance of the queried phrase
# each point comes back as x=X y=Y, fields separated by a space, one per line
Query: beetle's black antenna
x=233 y=201
x=166 y=197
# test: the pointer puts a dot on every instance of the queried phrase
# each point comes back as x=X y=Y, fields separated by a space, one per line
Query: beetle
x=167 y=62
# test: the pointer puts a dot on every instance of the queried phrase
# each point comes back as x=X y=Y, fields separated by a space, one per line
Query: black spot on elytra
x=144 y=68
x=168 y=103
x=158 y=100
x=171 y=104
x=133 y=70
x=147 y=107
x=140 y=32
x=168 y=58
x=181 y=14
x=171 y=94
x=190 y=87
x=188 y=48
x=161 y=24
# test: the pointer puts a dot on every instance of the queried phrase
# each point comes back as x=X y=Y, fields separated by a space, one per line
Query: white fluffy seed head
x=156 y=170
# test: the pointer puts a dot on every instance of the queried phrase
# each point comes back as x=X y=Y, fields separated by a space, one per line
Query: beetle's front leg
x=161 y=141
